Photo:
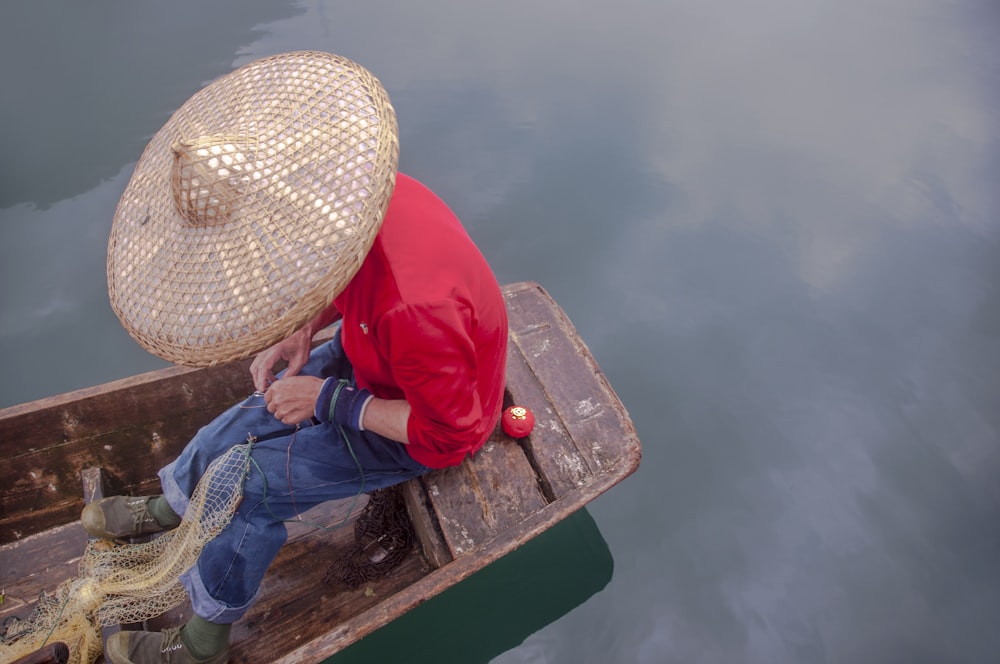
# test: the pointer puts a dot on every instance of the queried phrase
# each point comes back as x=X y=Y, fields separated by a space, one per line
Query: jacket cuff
x=367 y=396
x=322 y=409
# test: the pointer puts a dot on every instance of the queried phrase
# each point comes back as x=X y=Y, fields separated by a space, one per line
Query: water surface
x=775 y=225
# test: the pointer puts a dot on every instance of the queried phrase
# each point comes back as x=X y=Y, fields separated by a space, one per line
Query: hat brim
x=305 y=146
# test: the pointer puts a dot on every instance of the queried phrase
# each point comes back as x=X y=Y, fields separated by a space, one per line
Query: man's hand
x=293 y=398
x=295 y=350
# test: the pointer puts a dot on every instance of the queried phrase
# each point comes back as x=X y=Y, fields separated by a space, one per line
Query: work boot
x=166 y=647
x=122 y=517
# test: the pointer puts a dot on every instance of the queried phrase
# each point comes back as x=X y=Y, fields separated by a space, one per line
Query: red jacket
x=424 y=320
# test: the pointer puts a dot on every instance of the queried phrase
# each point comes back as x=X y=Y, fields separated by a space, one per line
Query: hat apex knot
x=208 y=177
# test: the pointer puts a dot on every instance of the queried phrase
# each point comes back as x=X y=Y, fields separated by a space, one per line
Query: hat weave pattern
x=252 y=208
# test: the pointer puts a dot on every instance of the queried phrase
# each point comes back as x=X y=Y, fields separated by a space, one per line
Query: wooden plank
x=483 y=495
x=27 y=523
x=425 y=524
x=118 y=405
x=549 y=447
x=54 y=653
x=593 y=415
x=36 y=564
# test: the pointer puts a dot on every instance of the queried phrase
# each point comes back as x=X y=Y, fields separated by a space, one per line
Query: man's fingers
x=260 y=371
x=257 y=371
x=294 y=366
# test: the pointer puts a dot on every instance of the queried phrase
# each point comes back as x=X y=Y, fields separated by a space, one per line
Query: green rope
x=361 y=489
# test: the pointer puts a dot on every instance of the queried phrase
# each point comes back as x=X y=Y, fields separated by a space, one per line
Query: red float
x=517 y=421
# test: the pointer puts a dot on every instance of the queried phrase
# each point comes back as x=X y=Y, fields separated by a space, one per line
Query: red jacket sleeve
x=433 y=359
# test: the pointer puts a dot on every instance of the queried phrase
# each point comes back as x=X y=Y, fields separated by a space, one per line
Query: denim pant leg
x=292 y=469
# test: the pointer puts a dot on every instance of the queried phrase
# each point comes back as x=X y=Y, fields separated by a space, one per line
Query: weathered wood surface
x=38 y=563
x=54 y=653
x=130 y=428
x=466 y=517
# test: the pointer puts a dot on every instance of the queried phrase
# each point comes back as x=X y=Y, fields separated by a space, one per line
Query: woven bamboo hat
x=252 y=208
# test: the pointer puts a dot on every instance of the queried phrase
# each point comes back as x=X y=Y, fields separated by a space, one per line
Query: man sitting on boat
x=280 y=174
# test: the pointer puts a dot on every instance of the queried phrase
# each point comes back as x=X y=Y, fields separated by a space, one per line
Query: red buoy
x=517 y=421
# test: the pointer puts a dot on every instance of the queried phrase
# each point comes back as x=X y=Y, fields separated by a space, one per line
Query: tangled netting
x=131 y=583
x=383 y=535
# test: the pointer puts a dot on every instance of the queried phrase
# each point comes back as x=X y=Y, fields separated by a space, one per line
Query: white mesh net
x=133 y=582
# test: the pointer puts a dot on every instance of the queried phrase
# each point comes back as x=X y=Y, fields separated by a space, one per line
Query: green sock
x=203 y=639
x=162 y=512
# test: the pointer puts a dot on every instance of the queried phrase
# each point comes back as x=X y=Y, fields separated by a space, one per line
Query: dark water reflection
x=776 y=226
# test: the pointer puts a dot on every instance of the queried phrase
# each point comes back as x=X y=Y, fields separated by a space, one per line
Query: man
x=412 y=380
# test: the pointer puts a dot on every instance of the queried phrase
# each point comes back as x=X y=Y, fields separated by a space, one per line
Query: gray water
x=775 y=224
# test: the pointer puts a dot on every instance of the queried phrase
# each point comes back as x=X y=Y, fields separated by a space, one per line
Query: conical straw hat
x=252 y=208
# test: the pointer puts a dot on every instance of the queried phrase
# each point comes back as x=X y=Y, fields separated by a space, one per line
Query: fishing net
x=134 y=582
x=383 y=535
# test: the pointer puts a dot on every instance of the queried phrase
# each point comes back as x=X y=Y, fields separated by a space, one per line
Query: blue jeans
x=293 y=469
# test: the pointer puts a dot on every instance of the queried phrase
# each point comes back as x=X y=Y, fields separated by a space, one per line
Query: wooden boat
x=61 y=450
